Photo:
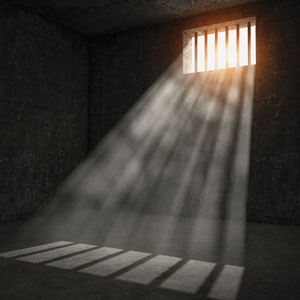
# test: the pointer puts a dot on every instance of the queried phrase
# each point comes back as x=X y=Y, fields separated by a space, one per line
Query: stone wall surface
x=43 y=109
x=60 y=97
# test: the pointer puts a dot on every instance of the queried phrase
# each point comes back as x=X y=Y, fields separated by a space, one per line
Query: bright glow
x=253 y=45
x=221 y=50
x=211 y=51
x=232 y=58
x=201 y=53
x=230 y=51
x=243 y=46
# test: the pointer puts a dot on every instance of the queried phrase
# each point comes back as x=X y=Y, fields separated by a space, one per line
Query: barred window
x=220 y=46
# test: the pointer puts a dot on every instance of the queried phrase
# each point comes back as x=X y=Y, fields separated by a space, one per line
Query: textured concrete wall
x=275 y=163
x=43 y=109
x=124 y=65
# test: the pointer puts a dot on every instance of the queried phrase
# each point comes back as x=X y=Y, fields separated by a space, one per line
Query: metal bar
x=196 y=51
x=216 y=48
x=238 y=45
x=249 y=43
x=205 y=46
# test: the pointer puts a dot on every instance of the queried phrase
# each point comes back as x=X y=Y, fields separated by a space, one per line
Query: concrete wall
x=275 y=161
x=124 y=65
x=43 y=109
x=47 y=122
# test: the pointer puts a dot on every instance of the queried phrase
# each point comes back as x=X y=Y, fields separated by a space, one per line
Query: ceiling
x=97 y=17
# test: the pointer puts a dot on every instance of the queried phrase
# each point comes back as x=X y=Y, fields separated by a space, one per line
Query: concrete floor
x=270 y=262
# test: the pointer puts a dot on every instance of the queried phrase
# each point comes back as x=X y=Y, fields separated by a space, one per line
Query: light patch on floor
x=227 y=285
x=150 y=270
x=115 y=264
x=34 y=249
x=53 y=254
x=78 y=260
x=190 y=277
x=137 y=267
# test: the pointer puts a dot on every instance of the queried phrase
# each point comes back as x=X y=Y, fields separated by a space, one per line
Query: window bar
x=226 y=46
x=238 y=45
x=216 y=48
x=196 y=51
x=205 y=45
x=249 y=43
